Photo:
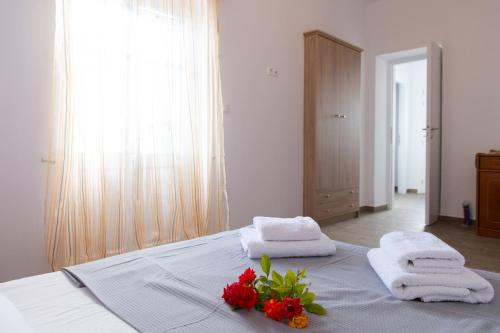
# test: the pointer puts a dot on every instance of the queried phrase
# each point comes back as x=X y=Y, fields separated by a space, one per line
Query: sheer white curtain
x=138 y=134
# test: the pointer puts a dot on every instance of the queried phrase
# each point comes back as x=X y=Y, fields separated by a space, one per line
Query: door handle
x=337 y=115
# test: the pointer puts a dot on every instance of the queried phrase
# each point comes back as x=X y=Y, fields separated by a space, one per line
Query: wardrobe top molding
x=334 y=39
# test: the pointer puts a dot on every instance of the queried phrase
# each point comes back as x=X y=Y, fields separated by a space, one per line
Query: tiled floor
x=408 y=214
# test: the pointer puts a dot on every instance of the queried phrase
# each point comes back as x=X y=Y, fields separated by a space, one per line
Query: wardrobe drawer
x=349 y=194
x=489 y=162
x=332 y=209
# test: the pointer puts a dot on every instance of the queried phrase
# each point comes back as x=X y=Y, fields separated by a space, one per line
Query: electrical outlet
x=273 y=72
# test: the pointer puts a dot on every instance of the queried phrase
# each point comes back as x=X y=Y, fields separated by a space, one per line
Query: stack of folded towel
x=418 y=265
x=285 y=237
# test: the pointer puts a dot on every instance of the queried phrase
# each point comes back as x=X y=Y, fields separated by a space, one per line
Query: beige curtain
x=138 y=133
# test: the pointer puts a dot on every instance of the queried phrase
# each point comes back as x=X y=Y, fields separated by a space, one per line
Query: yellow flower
x=299 y=321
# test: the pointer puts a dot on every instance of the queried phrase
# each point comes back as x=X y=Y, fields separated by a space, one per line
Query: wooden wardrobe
x=331 y=127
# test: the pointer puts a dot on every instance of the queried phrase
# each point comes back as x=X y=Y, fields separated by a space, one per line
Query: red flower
x=293 y=307
x=240 y=295
x=229 y=294
x=275 y=310
x=248 y=276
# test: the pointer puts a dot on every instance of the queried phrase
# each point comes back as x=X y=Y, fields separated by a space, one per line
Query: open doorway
x=409 y=87
x=407 y=126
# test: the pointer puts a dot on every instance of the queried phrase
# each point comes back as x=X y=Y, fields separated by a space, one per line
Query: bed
x=199 y=269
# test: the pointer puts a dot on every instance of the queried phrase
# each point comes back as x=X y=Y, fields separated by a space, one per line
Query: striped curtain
x=137 y=139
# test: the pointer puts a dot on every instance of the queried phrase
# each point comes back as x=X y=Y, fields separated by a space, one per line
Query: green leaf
x=261 y=296
x=277 y=278
x=290 y=278
x=299 y=288
x=273 y=283
x=265 y=263
x=302 y=273
x=262 y=279
x=282 y=290
x=315 y=308
x=307 y=298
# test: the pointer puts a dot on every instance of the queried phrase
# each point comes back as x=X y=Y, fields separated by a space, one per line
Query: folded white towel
x=422 y=252
x=255 y=247
x=464 y=287
x=287 y=229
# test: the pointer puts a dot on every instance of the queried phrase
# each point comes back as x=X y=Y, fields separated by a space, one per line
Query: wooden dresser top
x=495 y=153
x=488 y=161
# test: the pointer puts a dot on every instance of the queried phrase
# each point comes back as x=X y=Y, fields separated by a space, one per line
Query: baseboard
x=443 y=218
x=372 y=209
x=411 y=191
x=454 y=219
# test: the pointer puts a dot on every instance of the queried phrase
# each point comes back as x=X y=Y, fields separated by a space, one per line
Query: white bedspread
x=51 y=303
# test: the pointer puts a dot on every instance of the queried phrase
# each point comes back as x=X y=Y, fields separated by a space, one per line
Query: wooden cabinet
x=488 y=194
x=331 y=127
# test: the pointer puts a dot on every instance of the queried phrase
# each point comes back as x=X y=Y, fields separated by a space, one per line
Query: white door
x=433 y=134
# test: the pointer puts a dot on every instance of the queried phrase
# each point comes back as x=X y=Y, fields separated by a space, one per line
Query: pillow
x=11 y=321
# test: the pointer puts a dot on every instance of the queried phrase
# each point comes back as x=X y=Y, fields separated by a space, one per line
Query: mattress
x=356 y=299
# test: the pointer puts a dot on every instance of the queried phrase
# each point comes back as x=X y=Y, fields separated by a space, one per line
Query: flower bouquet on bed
x=279 y=297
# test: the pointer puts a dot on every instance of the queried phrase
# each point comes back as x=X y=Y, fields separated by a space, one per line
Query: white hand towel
x=287 y=229
x=464 y=287
x=422 y=252
x=255 y=247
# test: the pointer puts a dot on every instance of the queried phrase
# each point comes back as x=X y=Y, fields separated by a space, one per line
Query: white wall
x=264 y=125
x=26 y=29
x=411 y=78
x=468 y=31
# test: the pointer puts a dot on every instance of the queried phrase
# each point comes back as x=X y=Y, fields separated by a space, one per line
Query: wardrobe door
x=348 y=61
x=327 y=120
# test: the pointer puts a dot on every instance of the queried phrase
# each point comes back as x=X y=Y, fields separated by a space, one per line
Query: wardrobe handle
x=351 y=205
x=343 y=116
x=327 y=196
x=352 y=191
